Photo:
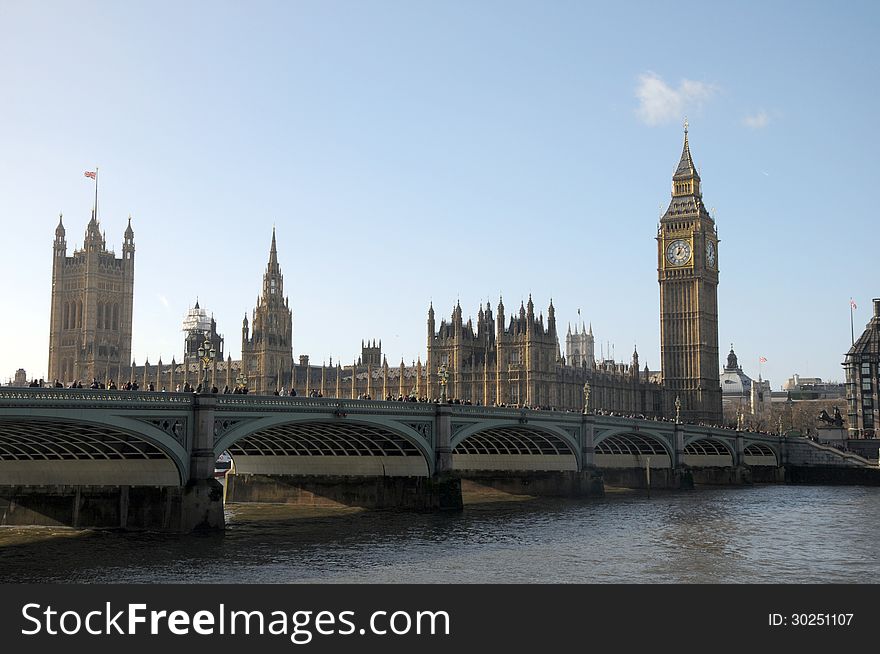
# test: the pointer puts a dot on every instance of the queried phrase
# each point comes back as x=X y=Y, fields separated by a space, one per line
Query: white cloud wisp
x=659 y=103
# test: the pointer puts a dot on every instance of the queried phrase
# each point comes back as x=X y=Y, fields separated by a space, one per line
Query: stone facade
x=687 y=267
x=513 y=360
x=862 y=365
x=91 y=312
x=520 y=363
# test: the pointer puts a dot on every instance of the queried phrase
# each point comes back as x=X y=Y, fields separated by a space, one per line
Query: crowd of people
x=186 y=387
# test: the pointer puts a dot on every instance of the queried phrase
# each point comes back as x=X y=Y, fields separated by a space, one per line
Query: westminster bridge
x=137 y=459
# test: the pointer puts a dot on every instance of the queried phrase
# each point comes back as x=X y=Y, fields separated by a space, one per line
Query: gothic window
x=116 y=316
x=79 y=311
x=100 y=315
x=65 y=312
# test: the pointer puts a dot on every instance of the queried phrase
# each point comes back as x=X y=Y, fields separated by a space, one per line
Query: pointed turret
x=686 y=180
x=60 y=245
x=273 y=253
x=500 y=318
x=93 y=239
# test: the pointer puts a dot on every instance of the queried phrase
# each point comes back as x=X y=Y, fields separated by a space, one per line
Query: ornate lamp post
x=586 y=397
x=206 y=353
x=241 y=381
x=677 y=410
x=443 y=373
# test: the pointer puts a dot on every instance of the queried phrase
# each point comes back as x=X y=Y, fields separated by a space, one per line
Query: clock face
x=710 y=253
x=678 y=252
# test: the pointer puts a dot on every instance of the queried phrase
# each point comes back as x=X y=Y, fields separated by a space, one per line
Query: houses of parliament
x=504 y=358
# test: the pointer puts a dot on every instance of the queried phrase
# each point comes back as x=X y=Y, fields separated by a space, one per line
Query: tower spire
x=686 y=180
x=273 y=251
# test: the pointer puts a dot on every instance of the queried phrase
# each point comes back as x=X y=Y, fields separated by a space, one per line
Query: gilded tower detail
x=91 y=310
x=687 y=253
x=267 y=343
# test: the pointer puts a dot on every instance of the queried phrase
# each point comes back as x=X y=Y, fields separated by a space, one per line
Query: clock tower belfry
x=687 y=269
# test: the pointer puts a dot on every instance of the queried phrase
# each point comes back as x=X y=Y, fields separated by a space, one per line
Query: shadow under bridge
x=59 y=452
x=515 y=448
x=330 y=448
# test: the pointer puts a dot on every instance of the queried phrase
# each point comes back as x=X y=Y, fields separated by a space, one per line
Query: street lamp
x=206 y=353
x=443 y=373
x=241 y=381
x=677 y=410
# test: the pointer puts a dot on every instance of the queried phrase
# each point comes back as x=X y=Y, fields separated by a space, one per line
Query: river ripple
x=760 y=534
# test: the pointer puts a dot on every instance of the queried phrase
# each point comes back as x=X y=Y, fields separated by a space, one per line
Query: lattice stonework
x=174 y=427
x=425 y=429
x=324 y=439
x=512 y=440
x=39 y=440
x=630 y=444
x=706 y=447
x=222 y=426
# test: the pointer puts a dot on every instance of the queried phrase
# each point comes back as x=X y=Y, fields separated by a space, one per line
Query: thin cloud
x=759 y=120
x=659 y=103
x=163 y=300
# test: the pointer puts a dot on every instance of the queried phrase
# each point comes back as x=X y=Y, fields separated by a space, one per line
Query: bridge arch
x=507 y=445
x=52 y=450
x=631 y=449
x=311 y=445
x=708 y=452
x=760 y=454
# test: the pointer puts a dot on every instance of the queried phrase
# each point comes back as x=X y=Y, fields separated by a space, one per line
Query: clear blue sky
x=415 y=151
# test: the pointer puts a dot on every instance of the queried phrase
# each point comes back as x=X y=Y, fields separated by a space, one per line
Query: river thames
x=758 y=534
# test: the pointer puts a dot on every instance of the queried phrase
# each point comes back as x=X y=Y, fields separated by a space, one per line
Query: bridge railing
x=286 y=402
x=66 y=396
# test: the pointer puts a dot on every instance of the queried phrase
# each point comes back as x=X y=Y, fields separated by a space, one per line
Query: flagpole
x=96 y=192
x=852 y=332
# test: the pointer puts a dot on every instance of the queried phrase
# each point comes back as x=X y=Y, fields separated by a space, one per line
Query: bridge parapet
x=68 y=397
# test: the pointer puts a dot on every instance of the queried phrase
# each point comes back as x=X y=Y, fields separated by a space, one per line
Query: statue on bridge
x=837 y=420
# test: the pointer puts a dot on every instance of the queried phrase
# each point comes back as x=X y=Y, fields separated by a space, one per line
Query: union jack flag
x=852 y=303
x=90 y=173
x=763 y=359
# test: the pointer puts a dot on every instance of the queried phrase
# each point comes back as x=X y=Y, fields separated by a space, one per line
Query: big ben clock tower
x=687 y=253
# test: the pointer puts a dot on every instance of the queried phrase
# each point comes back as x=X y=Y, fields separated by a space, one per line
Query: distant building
x=20 y=378
x=741 y=391
x=813 y=388
x=736 y=386
x=862 y=364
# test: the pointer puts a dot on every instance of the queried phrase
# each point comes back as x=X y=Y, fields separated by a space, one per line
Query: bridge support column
x=588 y=448
x=682 y=476
x=448 y=485
x=742 y=471
x=201 y=499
